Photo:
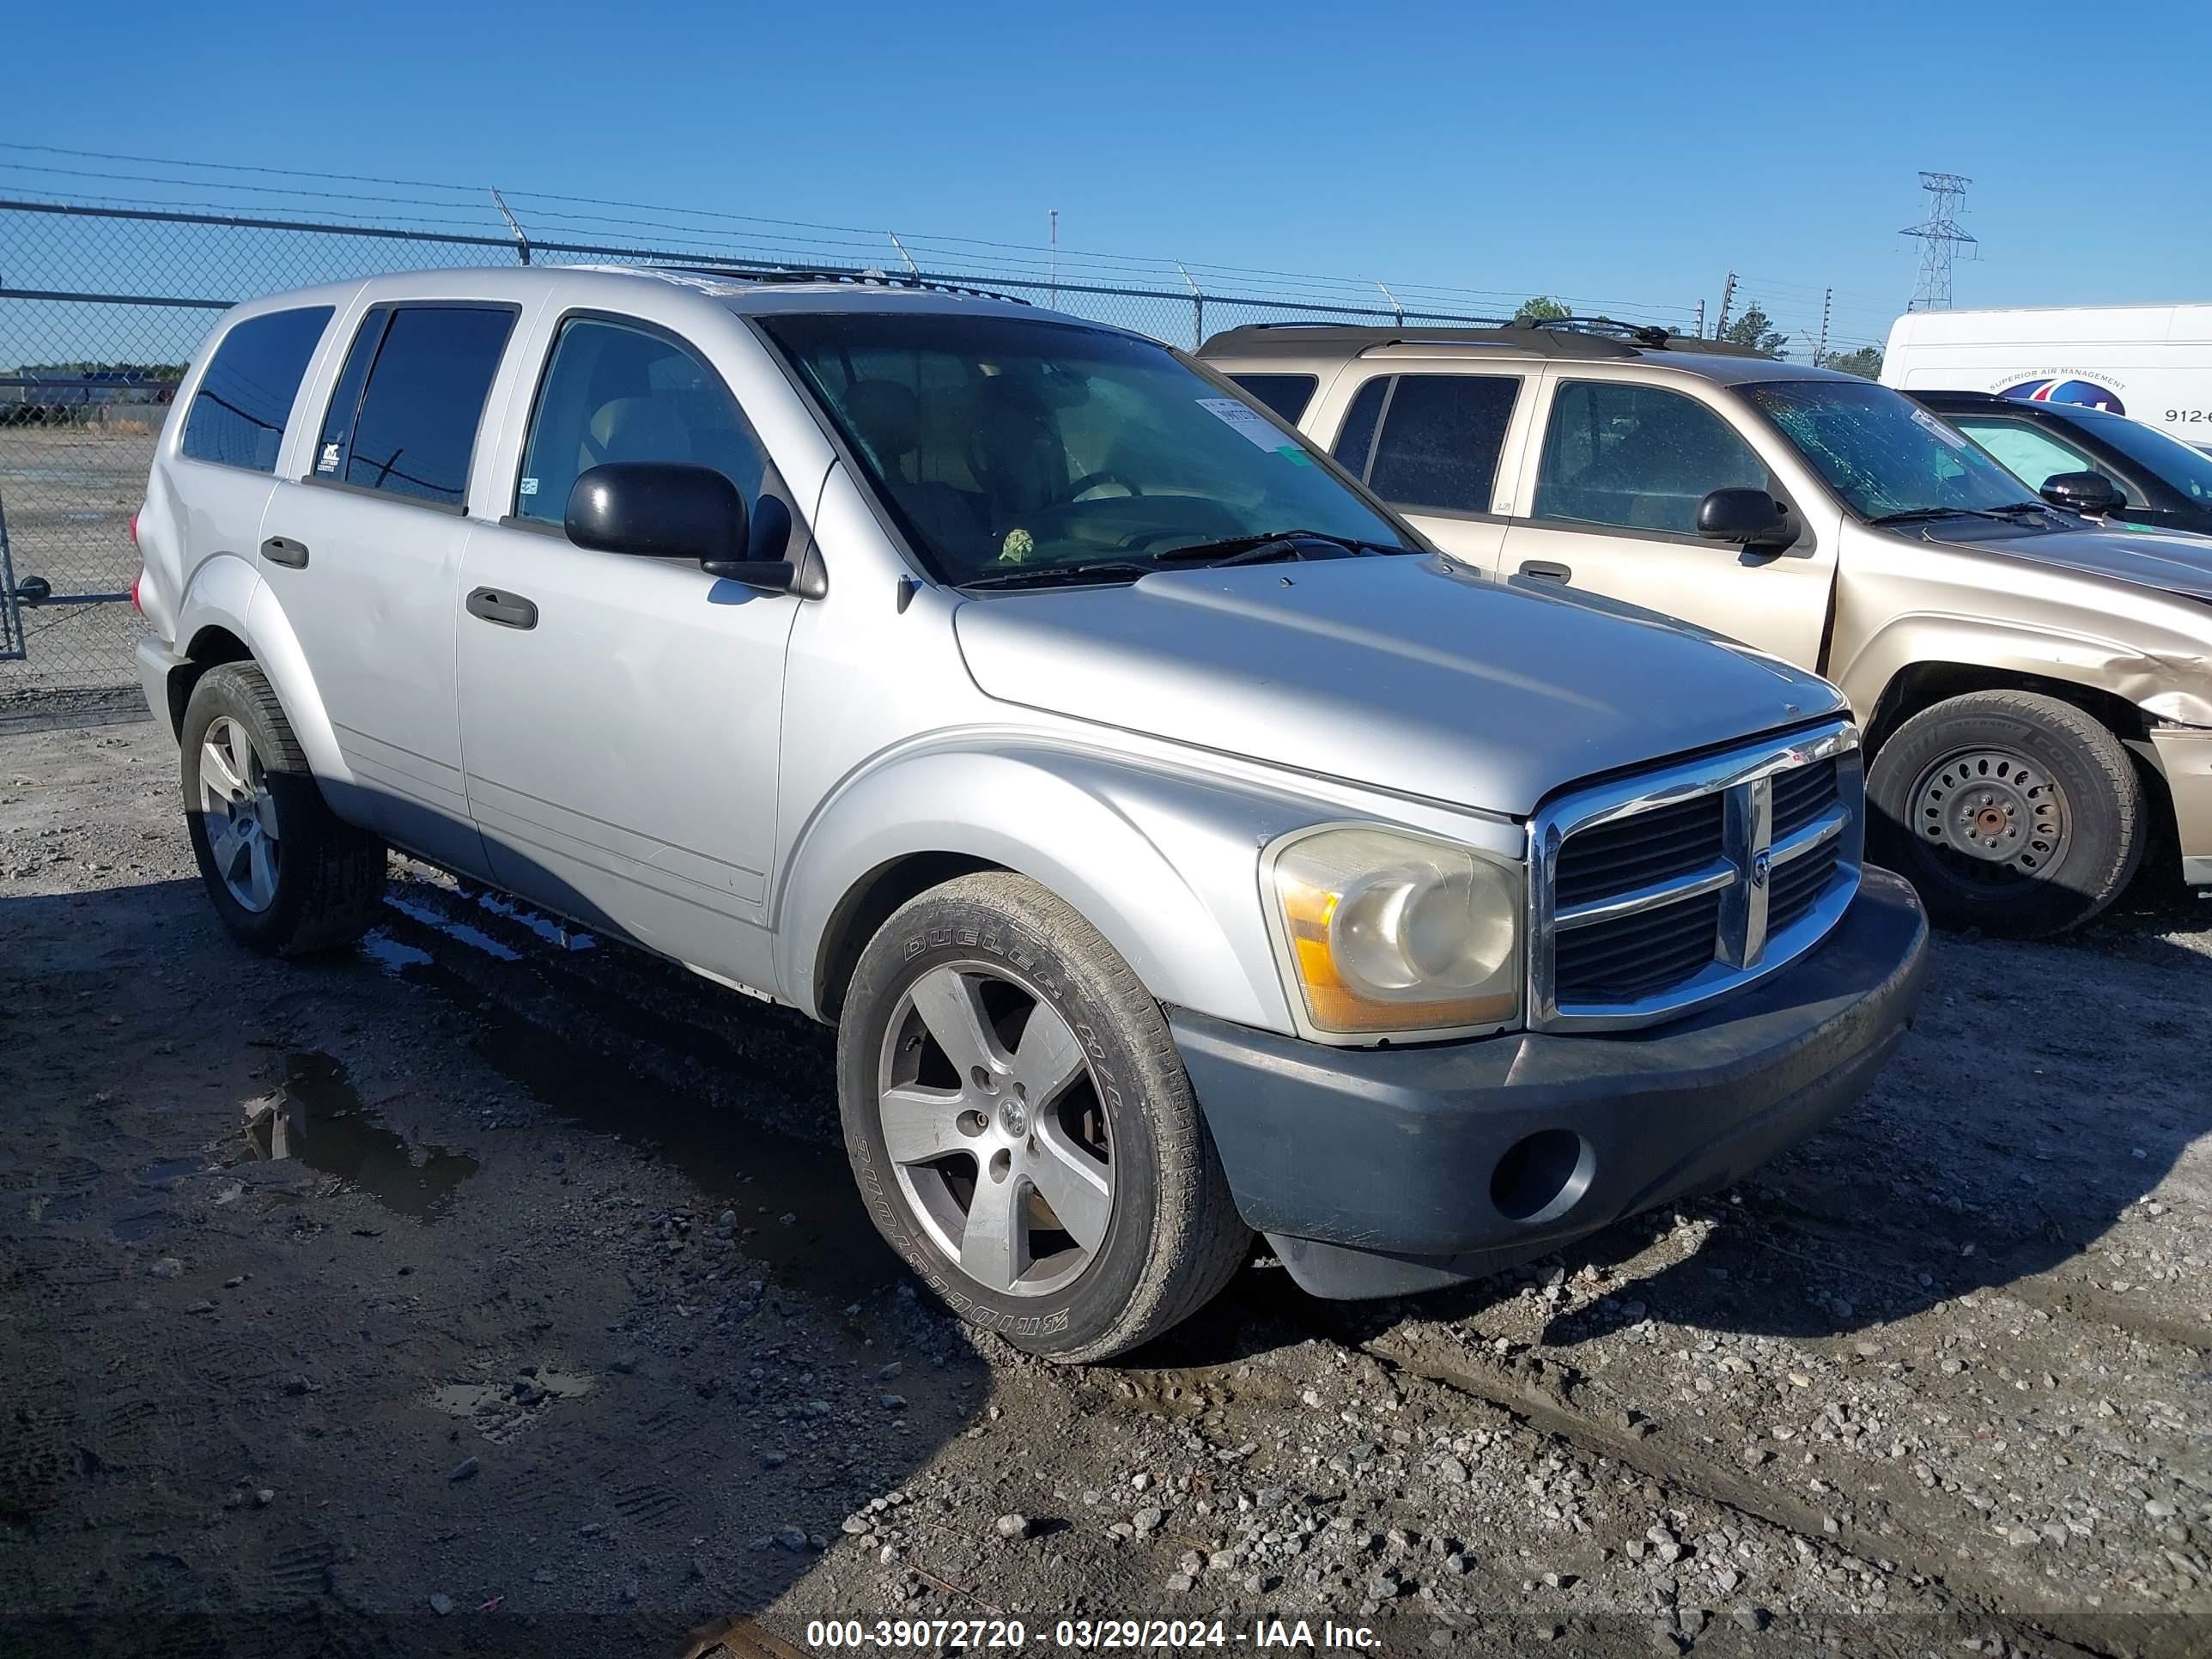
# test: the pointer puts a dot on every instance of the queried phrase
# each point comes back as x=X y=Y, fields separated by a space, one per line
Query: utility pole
x=1939 y=237
x=1728 y=299
x=1055 y=258
x=1699 y=334
x=1828 y=304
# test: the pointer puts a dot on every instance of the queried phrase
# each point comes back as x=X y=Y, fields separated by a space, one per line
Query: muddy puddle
x=314 y=1116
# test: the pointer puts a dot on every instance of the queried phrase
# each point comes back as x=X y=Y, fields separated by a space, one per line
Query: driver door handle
x=507 y=610
x=1545 y=570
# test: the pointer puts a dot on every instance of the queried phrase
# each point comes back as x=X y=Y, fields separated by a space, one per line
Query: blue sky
x=1634 y=154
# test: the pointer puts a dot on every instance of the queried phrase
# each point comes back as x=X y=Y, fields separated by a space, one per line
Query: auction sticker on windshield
x=1253 y=427
x=1941 y=431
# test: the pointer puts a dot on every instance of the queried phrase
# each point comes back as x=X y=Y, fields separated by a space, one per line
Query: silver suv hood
x=2169 y=561
x=1409 y=674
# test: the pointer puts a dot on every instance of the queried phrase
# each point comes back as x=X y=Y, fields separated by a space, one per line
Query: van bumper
x=1383 y=1171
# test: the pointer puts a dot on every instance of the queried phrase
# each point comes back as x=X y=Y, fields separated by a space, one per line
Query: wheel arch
x=1163 y=867
x=1920 y=686
x=228 y=615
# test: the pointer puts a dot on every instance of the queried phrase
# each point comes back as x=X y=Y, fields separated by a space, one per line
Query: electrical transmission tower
x=1940 y=235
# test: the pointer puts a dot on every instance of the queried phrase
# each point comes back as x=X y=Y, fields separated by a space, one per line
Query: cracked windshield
x=1891 y=461
x=1006 y=449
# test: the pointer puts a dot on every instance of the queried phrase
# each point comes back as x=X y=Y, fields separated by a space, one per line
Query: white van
x=2152 y=363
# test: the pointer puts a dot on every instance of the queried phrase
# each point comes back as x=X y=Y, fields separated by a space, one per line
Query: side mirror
x=1750 y=517
x=2092 y=493
x=663 y=509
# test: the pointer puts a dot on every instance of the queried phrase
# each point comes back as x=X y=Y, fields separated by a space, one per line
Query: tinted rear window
x=1441 y=440
x=422 y=374
x=237 y=417
x=1286 y=394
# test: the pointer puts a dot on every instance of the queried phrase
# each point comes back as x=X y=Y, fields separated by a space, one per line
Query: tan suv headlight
x=1386 y=934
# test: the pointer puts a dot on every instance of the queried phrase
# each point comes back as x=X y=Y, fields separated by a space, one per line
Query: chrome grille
x=1655 y=894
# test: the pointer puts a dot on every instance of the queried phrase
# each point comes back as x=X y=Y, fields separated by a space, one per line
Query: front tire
x=1022 y=1127
x=2010 y=811
x=285 y=874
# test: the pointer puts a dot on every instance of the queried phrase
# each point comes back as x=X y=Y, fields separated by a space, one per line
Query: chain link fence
x=102 y=308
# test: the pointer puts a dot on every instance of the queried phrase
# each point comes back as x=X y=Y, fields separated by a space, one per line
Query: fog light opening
x=1542 y=1175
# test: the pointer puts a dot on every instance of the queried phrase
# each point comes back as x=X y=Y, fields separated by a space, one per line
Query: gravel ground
x=488 y=1289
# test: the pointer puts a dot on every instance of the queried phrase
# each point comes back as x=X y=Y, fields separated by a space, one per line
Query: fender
x=227 y=592
x=1164 y=864
x=2161 y=672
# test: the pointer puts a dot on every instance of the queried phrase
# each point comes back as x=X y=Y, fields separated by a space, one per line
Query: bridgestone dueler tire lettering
x=1175 y=1238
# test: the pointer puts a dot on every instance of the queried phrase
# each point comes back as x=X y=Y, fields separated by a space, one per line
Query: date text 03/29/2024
x=1088 y=1635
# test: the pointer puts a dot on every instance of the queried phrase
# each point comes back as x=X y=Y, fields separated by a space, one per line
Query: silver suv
x=2035 y=687
x=1179 y=846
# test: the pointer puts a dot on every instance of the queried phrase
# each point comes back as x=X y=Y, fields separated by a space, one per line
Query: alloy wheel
x=239 y=814
x=993 y=1124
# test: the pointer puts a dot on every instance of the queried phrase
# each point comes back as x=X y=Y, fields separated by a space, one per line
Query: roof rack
x=868 y=278
x=1562 y=337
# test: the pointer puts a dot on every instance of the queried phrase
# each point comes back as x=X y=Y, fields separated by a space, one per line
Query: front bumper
x=2183 y=754
x=1382 y=1171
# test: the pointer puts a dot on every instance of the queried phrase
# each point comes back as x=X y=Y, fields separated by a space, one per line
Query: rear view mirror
x=2092 y=493
x=1750 y=517
x=662 y=509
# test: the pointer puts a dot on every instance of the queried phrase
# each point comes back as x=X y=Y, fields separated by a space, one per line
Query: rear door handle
x=507 y=610
x=1545 y=570
x=283 y=549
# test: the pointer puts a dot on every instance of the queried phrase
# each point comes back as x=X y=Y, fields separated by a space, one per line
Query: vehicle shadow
x=347 y=1309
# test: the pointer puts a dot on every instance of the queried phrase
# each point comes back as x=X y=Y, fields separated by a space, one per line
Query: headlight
x=1384 y=932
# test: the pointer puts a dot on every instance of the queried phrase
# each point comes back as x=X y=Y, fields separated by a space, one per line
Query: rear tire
x=2010 y=811
x=285 y=874
x=1022 y=1127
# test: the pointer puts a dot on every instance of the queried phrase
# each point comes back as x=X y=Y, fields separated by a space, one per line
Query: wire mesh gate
x=102 y=308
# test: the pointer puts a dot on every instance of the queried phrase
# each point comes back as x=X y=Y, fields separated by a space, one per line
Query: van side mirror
x=1751 y=518
x=665 y=509
x=2092 y=493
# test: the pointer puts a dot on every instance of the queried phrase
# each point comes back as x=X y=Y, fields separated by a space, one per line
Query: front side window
x=404 y=416
x=1286 y=394
x=2029 y=454
x=1441 y=438
x=1638 y=457
x=1006 y=445
x=238 y=413
x=1889 y=459
x=618 y=394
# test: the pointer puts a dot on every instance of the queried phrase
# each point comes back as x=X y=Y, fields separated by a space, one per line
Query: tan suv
x=2035 y=687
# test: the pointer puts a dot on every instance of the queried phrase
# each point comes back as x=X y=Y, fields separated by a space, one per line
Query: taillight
x=134 y=527
x=135 y=603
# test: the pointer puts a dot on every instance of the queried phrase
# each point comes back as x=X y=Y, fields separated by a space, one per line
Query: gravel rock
x=1013 y=1526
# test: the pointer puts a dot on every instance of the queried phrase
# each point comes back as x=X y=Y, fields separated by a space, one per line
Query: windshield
x=1008 y=446
x=2188 y=470
x=1881 y=453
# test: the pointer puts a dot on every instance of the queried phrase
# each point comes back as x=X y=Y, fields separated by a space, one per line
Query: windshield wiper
x=1257 y=550
x=1060 y=576
x=1922 y=514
